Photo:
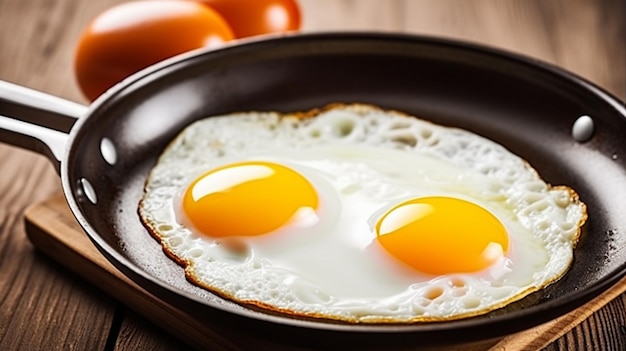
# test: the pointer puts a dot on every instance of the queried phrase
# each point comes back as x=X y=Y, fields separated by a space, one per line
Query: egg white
x=362 y=160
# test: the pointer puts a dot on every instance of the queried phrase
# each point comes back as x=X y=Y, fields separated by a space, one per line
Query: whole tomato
x=128 y=37
x=253 y=17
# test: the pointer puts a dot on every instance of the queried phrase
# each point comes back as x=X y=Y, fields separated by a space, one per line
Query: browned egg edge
x=267 y=308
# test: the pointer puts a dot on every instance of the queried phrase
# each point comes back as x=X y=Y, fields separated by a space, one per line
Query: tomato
x=133 y=35
x=252 y=17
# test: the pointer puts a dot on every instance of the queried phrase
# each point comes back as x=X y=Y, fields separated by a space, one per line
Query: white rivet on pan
x=583 y=129
x=107 y=149
x=88 y=191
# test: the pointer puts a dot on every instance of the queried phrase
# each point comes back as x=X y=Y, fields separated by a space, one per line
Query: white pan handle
x=36 y=121
x=45 y=141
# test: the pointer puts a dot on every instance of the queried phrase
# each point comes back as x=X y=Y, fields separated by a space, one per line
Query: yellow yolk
x=441 y=235
x=247 y=199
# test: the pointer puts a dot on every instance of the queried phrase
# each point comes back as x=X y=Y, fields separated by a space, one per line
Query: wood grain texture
x=576 y=35
x=41 y=301
x=137 y=333
x=584 y=36
x=42 y=306
x=604 y=330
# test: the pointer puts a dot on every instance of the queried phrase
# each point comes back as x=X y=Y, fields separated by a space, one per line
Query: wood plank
x=137 y=333
x=604 y=330
x=42 y=305
x=41 y=300
x=609 y=303
x=585 y=37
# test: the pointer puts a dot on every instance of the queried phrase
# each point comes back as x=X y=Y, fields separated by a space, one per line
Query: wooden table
x=43 y=305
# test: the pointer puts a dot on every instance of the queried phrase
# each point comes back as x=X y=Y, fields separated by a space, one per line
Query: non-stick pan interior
x=526 y=106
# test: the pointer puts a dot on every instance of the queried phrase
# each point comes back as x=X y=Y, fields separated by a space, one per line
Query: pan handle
x=37 y=121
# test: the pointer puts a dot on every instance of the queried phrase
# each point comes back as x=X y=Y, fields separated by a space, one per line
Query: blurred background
x=37 y=37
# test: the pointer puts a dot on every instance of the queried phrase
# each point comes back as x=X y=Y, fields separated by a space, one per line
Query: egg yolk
x=247 y=199
x=442 y=235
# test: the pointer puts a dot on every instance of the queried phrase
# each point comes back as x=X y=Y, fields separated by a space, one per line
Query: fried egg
x=358 y=214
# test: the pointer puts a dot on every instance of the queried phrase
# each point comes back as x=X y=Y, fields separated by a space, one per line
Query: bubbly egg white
x=362 y=160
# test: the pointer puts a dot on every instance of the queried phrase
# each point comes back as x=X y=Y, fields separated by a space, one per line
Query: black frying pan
x=526 y=105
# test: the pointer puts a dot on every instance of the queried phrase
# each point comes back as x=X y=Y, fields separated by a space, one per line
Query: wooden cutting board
x=54 y=231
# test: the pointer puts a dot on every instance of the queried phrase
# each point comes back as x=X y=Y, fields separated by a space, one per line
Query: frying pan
x=527 y=106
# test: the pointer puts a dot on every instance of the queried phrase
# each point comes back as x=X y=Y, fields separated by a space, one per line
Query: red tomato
x=133 y=35
x=252 y=17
